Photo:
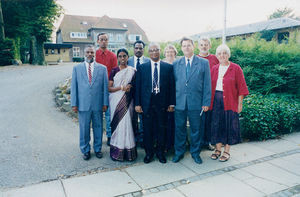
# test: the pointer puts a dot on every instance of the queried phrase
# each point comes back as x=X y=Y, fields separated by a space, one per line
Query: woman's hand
x=127 y=88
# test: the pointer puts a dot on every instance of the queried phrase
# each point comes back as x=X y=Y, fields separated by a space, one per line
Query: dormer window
x=124 y=25
x=78 y=35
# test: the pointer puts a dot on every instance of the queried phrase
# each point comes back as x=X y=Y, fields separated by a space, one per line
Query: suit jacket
x=88 y=96
x=144 y=86
x=195 y=91
x=131 y=60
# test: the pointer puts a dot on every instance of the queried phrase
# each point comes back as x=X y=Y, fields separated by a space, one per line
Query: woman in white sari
x=122 y=144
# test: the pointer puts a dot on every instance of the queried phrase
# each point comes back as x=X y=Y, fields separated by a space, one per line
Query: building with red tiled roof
x=83 y=30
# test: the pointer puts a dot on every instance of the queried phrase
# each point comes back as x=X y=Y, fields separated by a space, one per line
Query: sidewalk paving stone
x=155 y=174
x=241 y=174
x=266 y=186
x=208 y=164
x=273 y=173
x=221 y=185
x=168 y=193
x=290 y=163
x=49 y=189
x=103 y=184
x=277 y=145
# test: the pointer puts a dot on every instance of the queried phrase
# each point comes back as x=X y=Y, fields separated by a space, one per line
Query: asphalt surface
x=38 y=142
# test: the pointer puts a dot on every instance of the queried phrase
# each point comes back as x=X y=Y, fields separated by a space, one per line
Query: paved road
x=38 y=142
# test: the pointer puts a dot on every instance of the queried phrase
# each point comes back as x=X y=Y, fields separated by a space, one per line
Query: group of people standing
x=148 y=101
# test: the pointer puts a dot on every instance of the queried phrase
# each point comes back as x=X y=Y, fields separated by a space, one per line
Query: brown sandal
x=224 y=158
x=215 y=155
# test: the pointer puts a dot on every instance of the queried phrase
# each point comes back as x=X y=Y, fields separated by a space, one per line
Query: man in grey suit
x=135 y=61
x=89 y=97
x=193 y=94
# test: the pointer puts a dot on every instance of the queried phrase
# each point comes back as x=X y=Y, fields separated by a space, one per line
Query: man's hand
x=240 y=107
x=127 y=88
x=104 y=108
x=205 y=108
x=138 y=109
x=171 y=109
x=75 y=109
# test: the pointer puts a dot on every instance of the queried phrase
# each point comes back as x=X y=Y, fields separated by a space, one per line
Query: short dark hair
x=122 y=50
x=139 y=42
x=100 y=34
x=186 y=39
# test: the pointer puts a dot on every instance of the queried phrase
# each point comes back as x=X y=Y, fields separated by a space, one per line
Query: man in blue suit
x=154 y=97
x=135 y=61
x=193 y=94
x=89 y=97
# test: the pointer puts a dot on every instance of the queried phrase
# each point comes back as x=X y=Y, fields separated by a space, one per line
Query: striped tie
x=90 y=73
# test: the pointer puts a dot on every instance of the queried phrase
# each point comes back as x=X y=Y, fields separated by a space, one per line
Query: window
x=283 y=37
x=134 y=37
x=78 y=35
x=58 y=51
x=110 y=36
x=76 y=51
x=52 y=51
x=46 y=51
x=120 y=38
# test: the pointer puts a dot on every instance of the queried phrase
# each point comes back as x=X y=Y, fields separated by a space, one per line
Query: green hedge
x=266 y=117
x=78 y=59
x=7 y=52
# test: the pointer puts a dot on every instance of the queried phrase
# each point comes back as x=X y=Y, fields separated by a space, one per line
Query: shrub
x=7 y=52
x=266 y=117
x=78 y=59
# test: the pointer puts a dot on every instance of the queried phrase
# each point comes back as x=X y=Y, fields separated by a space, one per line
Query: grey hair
x=170 y=46
x=204 y=39
x=88 y=47
x=154 y=44
x=223 y=47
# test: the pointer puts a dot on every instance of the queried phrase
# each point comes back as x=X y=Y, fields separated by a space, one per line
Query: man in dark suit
x=155 y=96
x=135 y=61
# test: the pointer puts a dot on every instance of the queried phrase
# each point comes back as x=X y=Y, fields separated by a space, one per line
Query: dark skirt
x=225 y=125
x=117 y=154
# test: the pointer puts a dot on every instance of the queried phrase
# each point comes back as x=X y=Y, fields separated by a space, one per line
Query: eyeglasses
x=153 y=50
x=103 y=39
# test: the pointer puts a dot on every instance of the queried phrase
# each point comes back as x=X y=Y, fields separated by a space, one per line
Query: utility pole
x=224 y=29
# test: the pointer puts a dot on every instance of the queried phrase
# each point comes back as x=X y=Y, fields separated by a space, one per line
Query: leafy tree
x=30 y=22
x=284 y=12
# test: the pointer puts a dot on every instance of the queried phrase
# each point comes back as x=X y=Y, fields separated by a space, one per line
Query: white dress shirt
x=158 y=71
x=87 y=68
x=222 y=72
x=135 y=60
x=186 y=60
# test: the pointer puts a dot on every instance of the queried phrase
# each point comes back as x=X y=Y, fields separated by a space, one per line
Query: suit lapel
x=193 y=67
x=84 y=73
x=95 y=74
x=148 y=73
x=182 y=68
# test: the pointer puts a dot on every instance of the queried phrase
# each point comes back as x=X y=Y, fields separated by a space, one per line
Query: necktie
x=188 y=68
x=155 y=79
x=137 y=62
x=90 y=73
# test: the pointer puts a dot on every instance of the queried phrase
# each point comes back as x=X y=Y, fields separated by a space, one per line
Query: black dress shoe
x=177 y=158
x=108 y=141
x=148 y=158
x=197 y=159
x=86 y=156
x=99 y=155
x=162 y=158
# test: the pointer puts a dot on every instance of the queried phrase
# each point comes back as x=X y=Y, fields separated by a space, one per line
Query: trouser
x=85 y=119
x=196 y=134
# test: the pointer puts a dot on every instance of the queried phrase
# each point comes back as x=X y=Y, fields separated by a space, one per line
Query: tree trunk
x=2 y=35
x=40 y=52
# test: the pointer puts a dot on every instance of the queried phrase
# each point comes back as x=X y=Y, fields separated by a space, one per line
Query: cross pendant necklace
x=156 y=89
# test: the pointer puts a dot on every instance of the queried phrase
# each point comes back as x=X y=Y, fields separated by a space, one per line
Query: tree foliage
x=284 y=12
x=30 y=21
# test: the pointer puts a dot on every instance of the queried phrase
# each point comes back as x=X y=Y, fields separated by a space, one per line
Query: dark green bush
x=7 y=52
x=78 y=59
x=266 y=117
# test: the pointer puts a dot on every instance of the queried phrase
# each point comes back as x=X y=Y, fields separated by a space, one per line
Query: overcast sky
x=167 y=20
